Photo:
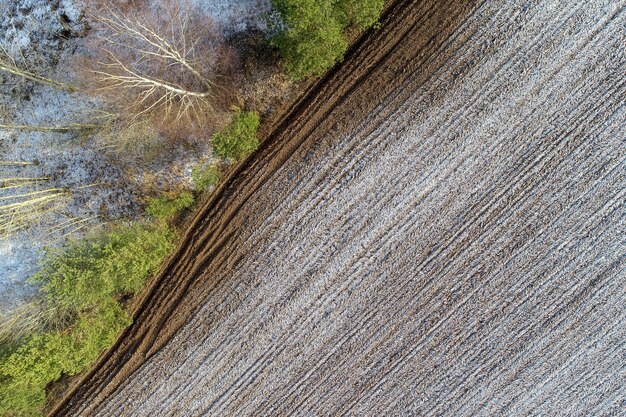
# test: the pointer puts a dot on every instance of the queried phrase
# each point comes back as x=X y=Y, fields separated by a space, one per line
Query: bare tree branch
x=58 y=129
x=8 y=64
x=155 y=60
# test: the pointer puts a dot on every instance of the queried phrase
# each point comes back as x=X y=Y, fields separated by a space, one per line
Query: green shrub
x=88 y=271
x=44 y=358
x=238 y=139
x=312 y=37
x=166 y=207
x=88 y=277
x=206 y=176
x=312 y=40
x=362 y=13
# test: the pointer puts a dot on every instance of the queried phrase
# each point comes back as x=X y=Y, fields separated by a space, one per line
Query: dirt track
x=438 y=229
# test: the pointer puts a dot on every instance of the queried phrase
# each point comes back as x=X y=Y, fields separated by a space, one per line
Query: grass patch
x=168 y=206
x=206 y=176
x=88 y=277
x=238 y=139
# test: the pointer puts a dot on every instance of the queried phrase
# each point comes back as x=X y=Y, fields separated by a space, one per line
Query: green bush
x=204 y=177
x=238 y=139
x=44 y=358
x=88 y=271
x=362 y=13
x=88 y=276
x=166 y=207
x=312 y=37
x=312 y=40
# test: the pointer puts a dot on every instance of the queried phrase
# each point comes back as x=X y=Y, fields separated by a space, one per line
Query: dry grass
x=55 y=129
x=31 y=318
x=135 y=142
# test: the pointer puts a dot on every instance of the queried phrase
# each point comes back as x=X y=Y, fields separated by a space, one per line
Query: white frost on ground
x=236 y=15
x=103 y=190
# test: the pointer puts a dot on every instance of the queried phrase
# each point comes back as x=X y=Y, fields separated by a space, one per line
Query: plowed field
x=437 y=228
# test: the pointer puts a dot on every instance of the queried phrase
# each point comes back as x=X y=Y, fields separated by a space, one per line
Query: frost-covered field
x=40 y=33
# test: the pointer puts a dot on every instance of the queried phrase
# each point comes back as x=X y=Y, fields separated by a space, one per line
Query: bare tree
x=58 y=129
x=9 y=64
x=157 y=63
x=23 y=204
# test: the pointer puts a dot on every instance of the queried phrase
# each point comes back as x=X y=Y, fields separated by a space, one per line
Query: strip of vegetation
x=87 y=280
x=313 y=36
